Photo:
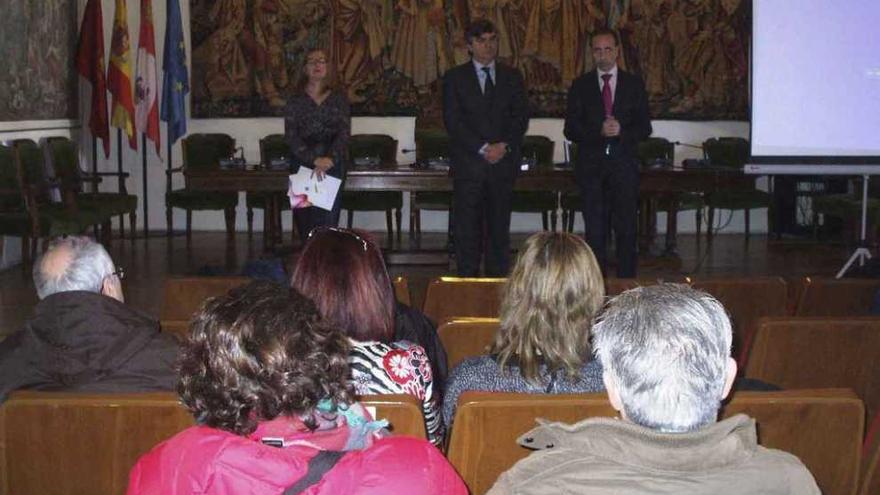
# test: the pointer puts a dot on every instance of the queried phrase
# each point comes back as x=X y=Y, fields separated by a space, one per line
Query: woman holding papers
x=317 y=128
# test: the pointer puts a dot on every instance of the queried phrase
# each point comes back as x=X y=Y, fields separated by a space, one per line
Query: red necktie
x=606 y=95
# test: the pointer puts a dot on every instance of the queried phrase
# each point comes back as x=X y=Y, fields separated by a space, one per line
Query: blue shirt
x=481 y=74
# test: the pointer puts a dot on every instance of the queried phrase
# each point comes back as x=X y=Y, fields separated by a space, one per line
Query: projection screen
x=815 y=87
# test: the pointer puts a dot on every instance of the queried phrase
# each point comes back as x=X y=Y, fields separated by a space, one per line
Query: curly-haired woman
x=547 y=310
x=267 y=383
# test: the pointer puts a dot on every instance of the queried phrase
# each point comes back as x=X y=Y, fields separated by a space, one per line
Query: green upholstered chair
x=655 y=150
x=385 y=148
x=272 y=147
x=201 y=152
x=48 y=218
x=848 y=207
x=731 y=152
x=539 y=148
x=430 y=144
x=14 y=218
x=64 y=159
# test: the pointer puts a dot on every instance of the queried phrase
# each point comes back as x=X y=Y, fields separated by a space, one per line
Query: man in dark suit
x=486 y=114
x=607 y=117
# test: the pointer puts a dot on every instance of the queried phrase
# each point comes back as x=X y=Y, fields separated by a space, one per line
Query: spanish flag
x=119 y=76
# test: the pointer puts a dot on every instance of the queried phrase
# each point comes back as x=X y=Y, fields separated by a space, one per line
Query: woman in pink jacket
x=268 y=385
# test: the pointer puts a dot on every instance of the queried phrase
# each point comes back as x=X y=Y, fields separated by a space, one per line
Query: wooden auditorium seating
x=183 y=296
x=814 y=352
x=822 y=427
x=401 y=290
x=63 y=443
x=178 y=328
x=869 y=478
x=820 y=296
x=466 y=337
x=59 y=442
x=448 y=297
x=487 y=424
x=746 y=299
x=403 y=411
x=614 y=286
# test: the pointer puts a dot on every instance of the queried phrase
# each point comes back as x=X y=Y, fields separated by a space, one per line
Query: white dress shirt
x=481 y=74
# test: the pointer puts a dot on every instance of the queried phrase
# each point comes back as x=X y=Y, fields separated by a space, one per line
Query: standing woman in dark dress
x=317 y=128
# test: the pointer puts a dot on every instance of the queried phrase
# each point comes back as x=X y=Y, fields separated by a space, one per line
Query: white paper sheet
x=304 y=189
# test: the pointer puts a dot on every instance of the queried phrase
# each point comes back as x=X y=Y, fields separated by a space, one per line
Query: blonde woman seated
x=547 y=310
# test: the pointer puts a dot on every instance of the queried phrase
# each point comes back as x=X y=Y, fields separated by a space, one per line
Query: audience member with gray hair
x=665 y=350
x=83 y=337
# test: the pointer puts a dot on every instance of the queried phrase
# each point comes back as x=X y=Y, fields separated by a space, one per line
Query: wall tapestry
x=390 y=54
x=37 y=47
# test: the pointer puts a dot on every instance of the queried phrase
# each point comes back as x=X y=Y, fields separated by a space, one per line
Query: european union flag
x=175 y=84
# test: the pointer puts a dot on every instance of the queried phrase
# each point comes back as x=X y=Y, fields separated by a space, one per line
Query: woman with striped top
x=343 y=272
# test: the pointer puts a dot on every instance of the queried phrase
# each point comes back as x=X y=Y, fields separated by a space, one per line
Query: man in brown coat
x=83 y=337
x=665 y=350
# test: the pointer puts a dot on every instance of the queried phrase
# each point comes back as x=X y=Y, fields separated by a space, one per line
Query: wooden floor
x=148 y=261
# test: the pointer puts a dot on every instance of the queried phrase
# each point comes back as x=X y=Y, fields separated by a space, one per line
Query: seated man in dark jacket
x=83 y=337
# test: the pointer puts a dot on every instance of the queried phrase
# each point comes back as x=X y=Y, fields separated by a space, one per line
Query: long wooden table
x=407 y=178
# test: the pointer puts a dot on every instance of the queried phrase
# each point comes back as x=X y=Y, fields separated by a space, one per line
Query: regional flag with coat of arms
x=146 y=84
x=90 y=65
x=119 y=75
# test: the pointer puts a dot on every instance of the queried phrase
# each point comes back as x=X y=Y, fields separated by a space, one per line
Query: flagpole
x=94 y=164
x=146 y=197
x=168 y=179
x=121 y=183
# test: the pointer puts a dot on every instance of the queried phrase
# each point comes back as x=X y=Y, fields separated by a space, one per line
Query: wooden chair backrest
x=814 y=352
x=449 y=297
x=178 y=328
x=401 y=290
x=183 y=296
x=487 y=424
x=614 y=286
x=822 y=427
x=822 y=296
x=64 y=442
x=747 y=299
x=870 y=472
x=466 y=337
x=59 y=442
x=403 y=411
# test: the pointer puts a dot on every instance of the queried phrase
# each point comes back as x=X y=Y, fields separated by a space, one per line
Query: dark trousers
x=610 y=191
x=473 y=201
x=309 y=218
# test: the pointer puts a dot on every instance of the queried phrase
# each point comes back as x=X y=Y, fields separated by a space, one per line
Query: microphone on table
x=688 y=145
x=694 y=162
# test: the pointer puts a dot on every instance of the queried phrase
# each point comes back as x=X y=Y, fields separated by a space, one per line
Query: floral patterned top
x=314 y=130
x=397 y=368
